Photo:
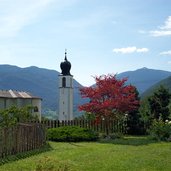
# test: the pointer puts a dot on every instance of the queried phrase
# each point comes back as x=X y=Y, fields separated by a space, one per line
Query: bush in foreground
x=111 y=136
x=71 y=134
x=160 y=130
x=49 y=164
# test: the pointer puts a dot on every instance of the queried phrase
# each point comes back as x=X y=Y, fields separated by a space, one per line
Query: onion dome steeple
x=65 y=66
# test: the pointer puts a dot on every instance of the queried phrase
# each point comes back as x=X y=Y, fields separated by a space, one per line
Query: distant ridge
x=144 y=78
x=165 y=82
x=44 y=82
x=38 y=81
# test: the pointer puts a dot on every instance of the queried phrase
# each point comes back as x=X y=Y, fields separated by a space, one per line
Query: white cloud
x=167 y=25
x=142 y=50
x=158 y=33
x=164 y=30
x=16 y=15
x=132 y=49
x=166 y=53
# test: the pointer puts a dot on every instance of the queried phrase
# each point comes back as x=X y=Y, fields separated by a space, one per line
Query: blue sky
x=101 y=36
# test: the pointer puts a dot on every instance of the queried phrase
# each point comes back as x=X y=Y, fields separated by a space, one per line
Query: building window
x=36 y=109
x=63 y=82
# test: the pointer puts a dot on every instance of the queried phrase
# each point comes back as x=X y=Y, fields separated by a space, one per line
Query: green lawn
x=131 y=153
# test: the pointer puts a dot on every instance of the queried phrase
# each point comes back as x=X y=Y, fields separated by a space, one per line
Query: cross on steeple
x=65 y=54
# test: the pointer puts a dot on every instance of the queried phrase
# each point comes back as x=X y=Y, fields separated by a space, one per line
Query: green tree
x=14 y=115
x=134 y=122
x=144 y=110
x=158 y=104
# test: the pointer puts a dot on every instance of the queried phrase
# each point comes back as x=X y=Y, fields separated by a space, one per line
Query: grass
x=127 y=154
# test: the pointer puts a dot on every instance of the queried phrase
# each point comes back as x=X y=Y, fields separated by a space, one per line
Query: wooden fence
x=102 y=126
x=21 y=138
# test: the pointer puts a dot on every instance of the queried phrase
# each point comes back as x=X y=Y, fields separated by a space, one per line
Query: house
x=19 y=99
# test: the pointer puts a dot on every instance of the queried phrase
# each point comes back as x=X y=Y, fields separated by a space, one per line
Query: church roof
x=65 y=66
x=17 y=94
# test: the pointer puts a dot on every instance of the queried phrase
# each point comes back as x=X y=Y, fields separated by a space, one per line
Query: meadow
x=125 y=154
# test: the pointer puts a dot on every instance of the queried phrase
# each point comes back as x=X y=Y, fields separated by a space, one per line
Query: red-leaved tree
x=110 y=97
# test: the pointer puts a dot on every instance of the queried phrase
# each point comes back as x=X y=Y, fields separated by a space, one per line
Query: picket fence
x=103 y=126
x=21 y=138
x=32 y=135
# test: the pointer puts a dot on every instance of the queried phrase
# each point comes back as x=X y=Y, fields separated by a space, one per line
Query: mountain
x=144 y=78
x=38 y=81
x=44 y=83
x=165 y=82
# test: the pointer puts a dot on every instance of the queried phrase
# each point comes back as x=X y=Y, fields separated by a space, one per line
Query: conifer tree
x=159 y=103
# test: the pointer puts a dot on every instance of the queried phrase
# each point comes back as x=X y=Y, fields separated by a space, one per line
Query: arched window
x=63 y=82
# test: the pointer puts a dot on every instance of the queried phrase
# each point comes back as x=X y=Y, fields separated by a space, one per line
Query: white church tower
x=65 y=91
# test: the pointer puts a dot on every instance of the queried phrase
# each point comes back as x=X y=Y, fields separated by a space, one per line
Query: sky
x=101 y=36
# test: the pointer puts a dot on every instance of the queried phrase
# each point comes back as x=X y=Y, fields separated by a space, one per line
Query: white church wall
x=21 y=102
x=66 y=97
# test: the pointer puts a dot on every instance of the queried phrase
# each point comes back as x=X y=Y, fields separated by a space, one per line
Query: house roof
x=17 y=94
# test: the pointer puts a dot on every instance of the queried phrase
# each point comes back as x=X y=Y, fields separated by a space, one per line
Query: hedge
x=71 y=134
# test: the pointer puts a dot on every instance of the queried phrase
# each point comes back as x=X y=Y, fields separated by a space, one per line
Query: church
x=65 y=91
x=9 y=98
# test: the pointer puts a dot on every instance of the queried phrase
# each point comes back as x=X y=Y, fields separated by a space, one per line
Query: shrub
x=160 y=130
x=71 y=134
x=116 y=135
x=51 y=164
